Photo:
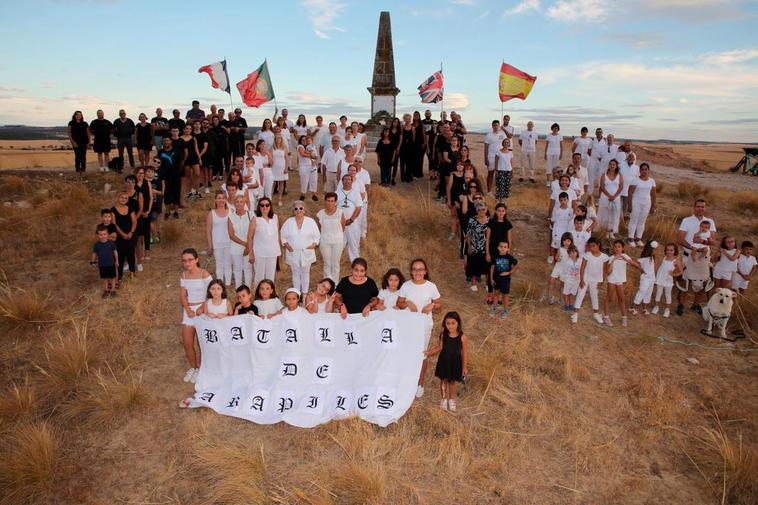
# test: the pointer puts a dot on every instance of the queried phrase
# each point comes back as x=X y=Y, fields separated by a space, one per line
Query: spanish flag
x=514 y=83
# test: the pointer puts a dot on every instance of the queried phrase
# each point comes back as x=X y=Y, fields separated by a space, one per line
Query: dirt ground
x=552 y=413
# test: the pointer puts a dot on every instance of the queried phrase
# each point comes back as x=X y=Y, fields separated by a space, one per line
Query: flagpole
x=501 y=102
x=442 y=101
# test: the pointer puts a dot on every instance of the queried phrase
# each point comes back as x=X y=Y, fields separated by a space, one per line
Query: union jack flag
x=431 y=89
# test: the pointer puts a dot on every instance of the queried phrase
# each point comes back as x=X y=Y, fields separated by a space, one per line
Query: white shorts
x=723 y=274
x=428 y=328
x=190 y=321
x=570 y=288
x=557 y=272
x=738 y=282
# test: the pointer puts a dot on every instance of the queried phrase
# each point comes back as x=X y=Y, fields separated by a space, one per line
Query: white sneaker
x=550 y=260
x=607 y=321
x=419 y=391
x=451 y=236
x=598 y=318
x=655 y=310
x=106 y=169
x=102 y=169
x=474 y=287
x=443 y=404
x=193 y=379
x=574 y=317
x=666 y=313
x=451 y=405
x=640 y=243
x=189 y=374
x=126 y=267
x=207 y=191
x=140 y=267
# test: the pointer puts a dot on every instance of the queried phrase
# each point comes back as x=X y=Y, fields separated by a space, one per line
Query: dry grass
x=23 y=309
x=358 y=483
x=28 y=466
x=690 y=190
x=233 y=474
x=18 y=403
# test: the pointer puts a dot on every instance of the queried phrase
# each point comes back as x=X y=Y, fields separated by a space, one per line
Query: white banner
x=307 y=369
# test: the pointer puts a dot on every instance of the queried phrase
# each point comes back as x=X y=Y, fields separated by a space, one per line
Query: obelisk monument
x=383 y=90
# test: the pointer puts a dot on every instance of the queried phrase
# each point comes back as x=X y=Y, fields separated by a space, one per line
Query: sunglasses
x=264 y=205
x=298 y=208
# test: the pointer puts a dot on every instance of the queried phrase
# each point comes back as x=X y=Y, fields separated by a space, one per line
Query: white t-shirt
x=504 y=161
x=691 y=225
x=580 y=240
x=420 y=294
x=746 y=263
x=364 y=178
x=267 y=136
x=554 y=144
x=630 y=173
x=593 y=272
x=724 y=264
x=508 y=129
x=561 y=221
x=349 y=200
x=494 y=141
x=331 y=226
x=388 y=298
x=617 y=275
x=642 y=189
x=528 y=141
x=332 y=158
x=599 y=148
x=266 y=307
x=582 y=145
x=555 y=191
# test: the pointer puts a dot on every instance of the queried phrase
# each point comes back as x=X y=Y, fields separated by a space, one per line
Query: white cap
x=292 y=290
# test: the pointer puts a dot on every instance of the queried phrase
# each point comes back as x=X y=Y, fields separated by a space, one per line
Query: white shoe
x=140 y=267
x=666 y=313
x=193 y=379
x=607 y=321
x=419 y=391
x=207 y=191
x=550 y=260
x=106 y=169
x=443 y=404
x=126 y=267
x=598 y=318
x=451 y=405
x=451 y=236
x=574 y=317
x=655 y=310
x=189 y=374
x=640 y=243
x=102 y=169
x=474 y=287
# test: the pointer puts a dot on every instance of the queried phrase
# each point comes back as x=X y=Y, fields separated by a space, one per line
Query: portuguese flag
x=514 y=83
x=256 y=88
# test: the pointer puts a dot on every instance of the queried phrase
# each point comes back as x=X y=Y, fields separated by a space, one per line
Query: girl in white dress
x=609 y=211
x=664 y=278
x=615 y=269
x=321 y=300
x=263 y=234
x=193 y=288
x=726 y=262
x=217 y=233
x=647 y=279
x=390 y=291
x=216 y=305
x=266 y=133
x=279 y=166
x=306 y=165
x=361 y=139
x=301 y=126
x=266 y=300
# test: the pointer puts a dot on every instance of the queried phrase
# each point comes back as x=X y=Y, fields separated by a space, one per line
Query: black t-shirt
x=180 y=148
x=161 y=126
x=124 y=222
x=169 y=164
x=246 y=310
x=155 y=183
x=144 y=133
x=123 y=129
x=104 y=252
x=442 y=146
x=385 y=152
x=101 y=129
x=79 y=131
x=176 y=122
x=201 y=139
x=427 y=125
x=111 y=229
x=220 y=134
x=498 y=233
x=239 y=123
x=357 y=296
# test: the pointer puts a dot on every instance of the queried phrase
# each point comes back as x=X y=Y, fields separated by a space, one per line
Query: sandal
x=184 y=404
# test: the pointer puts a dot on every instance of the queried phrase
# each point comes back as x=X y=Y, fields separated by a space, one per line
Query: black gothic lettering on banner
x=312 y=402
x=237 y=333
x=257 y=403
x=207 y=397
x=235 y=401
x=350 y=338
x=341 y=402
x=323 y=334
x=211 y=336
x=385 y=402
x=285 y=404
x=289 y=369
x=387 y=336
x=262 y=336
x=363 y=402
x=322 y=372
x=291 y=334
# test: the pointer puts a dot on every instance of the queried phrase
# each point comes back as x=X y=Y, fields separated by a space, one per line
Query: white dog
x=718 y=310
x=696 y=276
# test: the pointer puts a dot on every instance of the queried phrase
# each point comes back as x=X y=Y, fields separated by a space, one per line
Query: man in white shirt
x=581 y=144
x=362 y=176
x=527 y=140
x=330 y=162
x=598 y=148
x=342 y=127
x=493 y=142
x=351 y=203
x=580 y=174
x=553 y=151
x=685 y=237
x=287 y=122
x=507 y=128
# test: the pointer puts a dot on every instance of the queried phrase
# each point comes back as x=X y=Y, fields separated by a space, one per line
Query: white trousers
x=330 y=185
x=363 y=219
x=308 y=180
x=593 y=174
x=527 y=156
x=640 y=211
x=609 y=214
x=553 y=160
x=265 y=268
x=268 y=184
x=331 y=254
x=592 y=287
x=242 y=270
x=660 y=291
x=301 y=278
x=645 y=292
x=223 y=257
x=353 y=240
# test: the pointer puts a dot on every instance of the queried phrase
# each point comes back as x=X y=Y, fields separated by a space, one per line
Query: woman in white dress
x=239 y=224
x=217 y=233
x=300 y=237
x=266 y=133
x=279 y=166
x=609 y=210
x=306 y=165
x=263 y=162
x=332 y=222
x=263 y=234
x=284 y=129
x=361 y=139
x=301 y=126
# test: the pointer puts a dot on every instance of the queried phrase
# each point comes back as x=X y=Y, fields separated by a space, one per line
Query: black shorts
x=102 y=146
x=108 y=272
x=503 y=284
x=144 y=146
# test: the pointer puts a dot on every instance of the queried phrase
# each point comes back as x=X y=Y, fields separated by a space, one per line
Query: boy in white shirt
x=553 y=151
x=746 y=264
x=592 y=274
x=528 y=143
x=580 y=235
x=582 y=144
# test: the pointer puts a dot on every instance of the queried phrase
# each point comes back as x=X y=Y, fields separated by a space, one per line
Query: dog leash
x=687 y=343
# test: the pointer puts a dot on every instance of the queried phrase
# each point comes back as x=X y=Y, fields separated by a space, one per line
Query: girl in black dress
x=191 y=163
x=144 y=140
x=126 y=224
x=408 y=155
x=395 y=134
x=419 y=142
x=386 y=156
x=143 y=217
x=452 y=364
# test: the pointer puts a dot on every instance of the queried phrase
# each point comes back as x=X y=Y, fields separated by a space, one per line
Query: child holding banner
x=194 y=285
x=216 y=305
x=452 y=363
x=266 y=300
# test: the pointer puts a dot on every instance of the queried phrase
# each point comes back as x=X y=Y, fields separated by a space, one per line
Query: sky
x=647 y=69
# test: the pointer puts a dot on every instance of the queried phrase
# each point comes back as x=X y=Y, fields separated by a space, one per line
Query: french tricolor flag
x=217 y=72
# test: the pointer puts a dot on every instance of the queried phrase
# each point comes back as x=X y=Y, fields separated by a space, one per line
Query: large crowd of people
x=247 y=231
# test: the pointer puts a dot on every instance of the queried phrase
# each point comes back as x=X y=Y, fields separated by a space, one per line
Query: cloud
x=729 y=57
x=740 y=121
x=688 y=10
x=322 y=14
x=457 y=101
x=573 y=113
x=637 y=39
x=11 y=89
x=522 y=7
x=579 y=10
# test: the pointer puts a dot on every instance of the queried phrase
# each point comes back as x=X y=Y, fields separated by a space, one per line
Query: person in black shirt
x=385 y=154
x=428 y=123
x=160 y=128
x=78 y=135
x=176 y=121
x=195 y=112
x=443 y=153
x=395 y=135
x=357 y=293
x=220 y=148
x=419 y=146
x=101 y=129
x=172 y=176
x=144 y=140
x=123 y=129
x=237 y=129
x=407 y=149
